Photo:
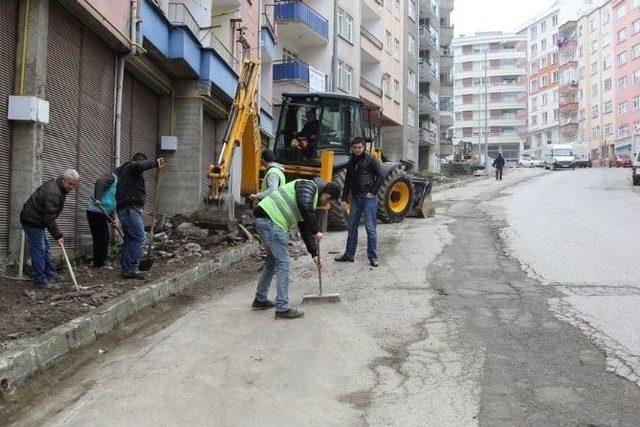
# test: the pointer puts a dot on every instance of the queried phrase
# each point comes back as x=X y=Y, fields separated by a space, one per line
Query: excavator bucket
x=422 y=205
x=218 y=214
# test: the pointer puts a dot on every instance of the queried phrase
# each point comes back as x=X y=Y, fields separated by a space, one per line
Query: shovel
x=111 y=220
x=320 y=297
x=148 y=260
x=66 y=259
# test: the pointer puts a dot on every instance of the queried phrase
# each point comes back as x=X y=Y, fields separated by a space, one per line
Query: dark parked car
x=620 y=161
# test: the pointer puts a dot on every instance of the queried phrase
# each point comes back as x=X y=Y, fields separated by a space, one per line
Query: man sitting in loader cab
x=308 y=136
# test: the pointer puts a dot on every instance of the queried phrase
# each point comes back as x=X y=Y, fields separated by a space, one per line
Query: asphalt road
x=513 y=306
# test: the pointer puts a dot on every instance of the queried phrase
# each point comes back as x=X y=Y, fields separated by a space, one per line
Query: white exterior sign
x=316 y=80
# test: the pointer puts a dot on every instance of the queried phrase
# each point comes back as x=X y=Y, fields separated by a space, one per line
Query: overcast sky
x=471 y=16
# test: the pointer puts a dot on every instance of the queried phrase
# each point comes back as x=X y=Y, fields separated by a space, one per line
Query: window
x=534 y=67
x=411 y=45
x=636 y=102
x=608 y=129
x=623 y=130
x=595 y=132
x=396 y=49
x=606 y=62
x=387 y=3
x=594 y=89
x=544 y=100
x=606 y=85
x=533 y=33
x=594 y=24
x=545 y=118
x=543 y=26
x=623 y=82
x=635 y=51
x=534 y=104
x=606 y=40
x=555 y=57
x=622 y=35
x=396 y=9
x=636 y=26
x=580 y=51
x=411 y=81
x=387 y=44
x=594 y=45
x=636 y=76
x=556 y=114
x=345 y=76
x=345 y=25
x=544 y=81
x=556 y=94
x=534 y=49
x=555 y=76
x=543 y=62
x=594 y=111
x=288 y=55
x=605 y=18
x=622 y=58
x=411 y=116
x=396 y=91
x=554 y=20
x=534 y=120
x=543 y=45
x=622 y=108
x=412 y=10
x=594 y=68
x=607 y=107
x=554 y=40
x=621 y=11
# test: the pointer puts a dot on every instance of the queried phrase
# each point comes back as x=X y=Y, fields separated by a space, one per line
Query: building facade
x=489 y=91
x=446 y=78
x=626 y=17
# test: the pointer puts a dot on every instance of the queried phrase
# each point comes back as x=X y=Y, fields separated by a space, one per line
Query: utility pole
x=486 y=118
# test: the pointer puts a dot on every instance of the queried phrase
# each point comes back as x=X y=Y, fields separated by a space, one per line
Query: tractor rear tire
x=395 y=196
x=338 y=219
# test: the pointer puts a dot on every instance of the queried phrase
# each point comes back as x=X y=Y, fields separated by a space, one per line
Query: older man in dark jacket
x=293 y=204
x=131 y=195
x=364 y=177
x=40 y=212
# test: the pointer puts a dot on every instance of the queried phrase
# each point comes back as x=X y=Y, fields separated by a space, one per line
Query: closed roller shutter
x=140 y=109
x=80 y=86
x=209 y=153
x=8 y=40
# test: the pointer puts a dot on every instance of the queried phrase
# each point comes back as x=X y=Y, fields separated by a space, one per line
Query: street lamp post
x=486 y=119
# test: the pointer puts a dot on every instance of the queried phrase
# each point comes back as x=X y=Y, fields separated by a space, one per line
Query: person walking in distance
x=364 y=177
x=498 y=163
x=273 y=178
x=291 y=205
x=103 y=196
x=130 y=198
x=40 y=212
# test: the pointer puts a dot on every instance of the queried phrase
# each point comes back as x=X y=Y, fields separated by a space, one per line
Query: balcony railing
x=371 y=87
x=269 y=25
x=371 y=37
x=296 y=10
x=292 y=69
x=428 y=136
x=431 y=33
x=225 y=53
x=179 y=15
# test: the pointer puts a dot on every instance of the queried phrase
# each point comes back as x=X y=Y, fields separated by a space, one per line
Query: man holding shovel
x=40 y=212
x=130 y=199
x=293 y=204
x=101 y=207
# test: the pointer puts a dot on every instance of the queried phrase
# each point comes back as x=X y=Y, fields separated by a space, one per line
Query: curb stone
x=35 y=354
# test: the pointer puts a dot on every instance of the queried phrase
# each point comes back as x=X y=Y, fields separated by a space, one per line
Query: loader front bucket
x=422 y=205
x=217 y=214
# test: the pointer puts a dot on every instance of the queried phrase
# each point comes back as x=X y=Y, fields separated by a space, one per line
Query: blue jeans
x=277 y=261
x=134 y=239
x=39 y=251
x=369 y=207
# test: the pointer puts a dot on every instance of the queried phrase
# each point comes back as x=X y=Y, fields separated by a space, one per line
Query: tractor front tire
x=395 y=196
x=338 y=218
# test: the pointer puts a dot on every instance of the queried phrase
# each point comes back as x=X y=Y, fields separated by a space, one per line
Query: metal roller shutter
x=208 y=151
x=140 y=109
x=80 y=86
x=8 y=39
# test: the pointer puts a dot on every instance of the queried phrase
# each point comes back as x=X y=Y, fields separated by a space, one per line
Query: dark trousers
x=100 y=233
x=499 y=174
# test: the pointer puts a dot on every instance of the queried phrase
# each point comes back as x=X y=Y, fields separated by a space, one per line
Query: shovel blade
x=146 y=263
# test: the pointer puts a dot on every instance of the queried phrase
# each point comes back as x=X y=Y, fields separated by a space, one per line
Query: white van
x=557 y=156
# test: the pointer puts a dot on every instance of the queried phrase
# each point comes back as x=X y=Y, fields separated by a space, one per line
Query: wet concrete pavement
x=451 y=329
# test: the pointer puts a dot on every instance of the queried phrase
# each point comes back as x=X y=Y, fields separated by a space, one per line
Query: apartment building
x=626 y=17
x=429 y=88
x=446 y=78
x=543 y=73
x=489 y=89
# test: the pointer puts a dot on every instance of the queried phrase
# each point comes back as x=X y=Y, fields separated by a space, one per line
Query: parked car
x=620 y=161
x=537 y=163
x=584 y=162
x=635 y=170
x=530 y=162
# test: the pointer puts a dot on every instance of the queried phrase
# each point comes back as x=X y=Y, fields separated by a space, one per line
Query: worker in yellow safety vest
x=273 y=178
x=291 y=205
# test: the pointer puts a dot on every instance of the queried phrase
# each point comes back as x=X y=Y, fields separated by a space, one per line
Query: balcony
x=371 y=37
x=446 y=34
x=567 y=45
x=371 y=87
x=428 y=136
x=291 y=70
x=568 y=65
x=568 y=107
x=179 y=15
x=300 y=24
x=568 y=88
x=570 y=127
x=429 y=36
x=428 y=104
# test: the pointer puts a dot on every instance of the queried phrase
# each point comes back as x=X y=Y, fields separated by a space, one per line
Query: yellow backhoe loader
x=339 y=118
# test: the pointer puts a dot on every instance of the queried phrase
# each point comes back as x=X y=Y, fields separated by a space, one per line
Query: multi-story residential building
x=489 y=92
x=429 y=74
x=626 y=17
x=587 y=84
x=446 y=78
x=543 y=73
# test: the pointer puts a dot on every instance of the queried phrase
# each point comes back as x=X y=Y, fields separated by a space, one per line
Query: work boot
x=55 y=278
x=374 y=262
x=262 y=305
x=292 y=313
x=140 y=275
x=343 y=259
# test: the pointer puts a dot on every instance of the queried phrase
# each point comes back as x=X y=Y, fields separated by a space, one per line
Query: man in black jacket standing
x=498 y=163
x=130 y=199
x=364 y=177
x=40 y=212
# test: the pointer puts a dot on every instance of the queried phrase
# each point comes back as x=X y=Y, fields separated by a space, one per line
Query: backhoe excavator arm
x=242 y=131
